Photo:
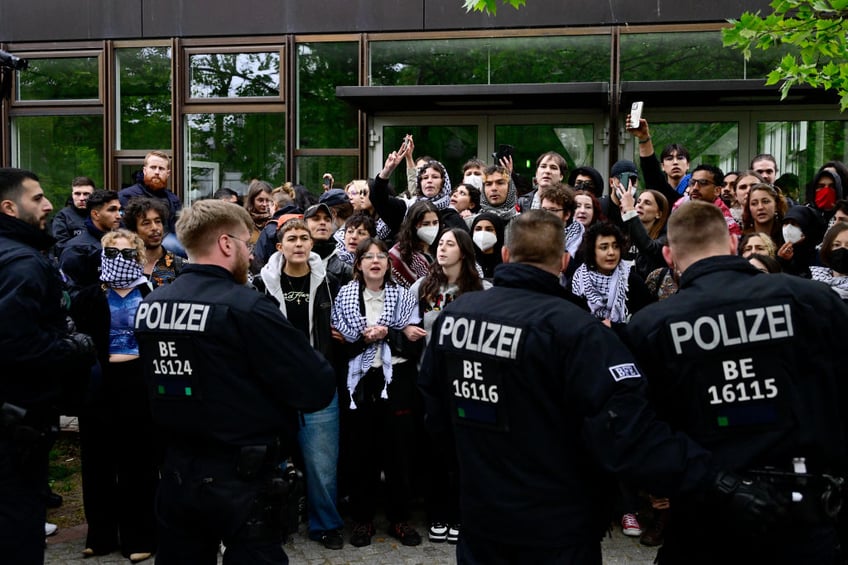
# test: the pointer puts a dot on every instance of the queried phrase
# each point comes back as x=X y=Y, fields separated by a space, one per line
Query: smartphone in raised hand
x=635 y=114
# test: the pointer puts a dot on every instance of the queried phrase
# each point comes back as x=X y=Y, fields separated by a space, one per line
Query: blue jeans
x=319 y=442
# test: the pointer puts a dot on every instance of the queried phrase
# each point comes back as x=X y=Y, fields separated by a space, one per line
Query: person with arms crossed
x=540 y=393
x=743 y=363
x=226 y=374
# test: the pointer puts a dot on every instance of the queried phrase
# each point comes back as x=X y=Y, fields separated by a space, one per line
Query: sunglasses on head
x=112 y=252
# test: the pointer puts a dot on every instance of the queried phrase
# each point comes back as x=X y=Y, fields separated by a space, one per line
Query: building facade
x=286 y=90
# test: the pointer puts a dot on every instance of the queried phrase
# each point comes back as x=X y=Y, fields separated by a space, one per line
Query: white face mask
x=485 y=240
x=473 y=180
x=427 y=234
x=792 y=234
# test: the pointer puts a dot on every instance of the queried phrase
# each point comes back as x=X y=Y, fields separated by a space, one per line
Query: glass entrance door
x=456 y=139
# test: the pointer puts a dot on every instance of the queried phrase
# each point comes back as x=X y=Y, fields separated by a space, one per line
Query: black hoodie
x=810 y=195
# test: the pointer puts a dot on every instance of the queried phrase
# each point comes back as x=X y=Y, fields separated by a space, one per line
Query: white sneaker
x=50 y=529
x=438 y=532
x=453 y=534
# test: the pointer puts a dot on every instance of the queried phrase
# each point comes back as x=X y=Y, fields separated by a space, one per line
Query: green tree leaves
x=490 y=6
x=815 y=30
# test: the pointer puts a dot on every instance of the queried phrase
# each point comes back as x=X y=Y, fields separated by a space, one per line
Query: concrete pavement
x=66 y=548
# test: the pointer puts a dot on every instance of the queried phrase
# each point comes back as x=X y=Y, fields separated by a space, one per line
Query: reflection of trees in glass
x=235 y=75
x=59 y=148
x=491 y=60
x=802 y=147
x=452 y=145
x=144 y=98
x=575 y=142
x=74 y=78
x=678 y=56
x=323 y=120
x=251 y=145
x=310 y=169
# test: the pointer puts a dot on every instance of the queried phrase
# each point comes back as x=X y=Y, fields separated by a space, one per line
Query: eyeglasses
x=112 y=252
x=246 y=242
x=554 y=210
x=700 y=182
x=372 y=256
x=584 y=185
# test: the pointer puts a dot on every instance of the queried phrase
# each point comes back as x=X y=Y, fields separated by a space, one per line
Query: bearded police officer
x=40 y=355
x=746 y=364
x=227 y=373
x=546 y=402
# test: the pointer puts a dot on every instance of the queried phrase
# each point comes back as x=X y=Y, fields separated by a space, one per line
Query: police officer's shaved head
x=698 y=230
x=536 y=237
x=200 y=225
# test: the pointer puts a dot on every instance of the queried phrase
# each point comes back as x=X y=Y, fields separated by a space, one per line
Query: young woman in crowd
x=359 y=193
x=834 y=258
x=611 y=287
x=453 y=273
x=764 y=211
x=487 y=233
x=355 y=229
x=644 y=225
x=411 y=255
x=119 y=462
x=373 y=315
x=757 y=243
x=588 y=211
x=465 y=199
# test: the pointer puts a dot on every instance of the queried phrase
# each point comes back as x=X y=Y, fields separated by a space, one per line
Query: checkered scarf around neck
x=505 y=211
x=120 y=272
x=573 y=237
x=398 y=306
x=341 y=250
x=605 y=294
x=442 y=199
x=825 y=275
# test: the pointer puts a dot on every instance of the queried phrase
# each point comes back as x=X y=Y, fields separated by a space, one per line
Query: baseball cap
x=334 y=197
x=623 y=166
x=312 y=210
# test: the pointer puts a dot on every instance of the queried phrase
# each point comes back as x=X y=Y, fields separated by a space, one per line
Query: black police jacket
x=545 y=403
x=747 y=365
x=36 y=356
x=225 y=367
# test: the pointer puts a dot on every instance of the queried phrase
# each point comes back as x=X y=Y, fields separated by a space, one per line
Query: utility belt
x=247 y=462
x=815 y=499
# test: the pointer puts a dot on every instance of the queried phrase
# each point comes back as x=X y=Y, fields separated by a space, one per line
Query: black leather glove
x=753 y=504
x=81 y=344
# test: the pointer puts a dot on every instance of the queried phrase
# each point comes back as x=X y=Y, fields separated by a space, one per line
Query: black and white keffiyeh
x=440 y=200
x=505 y=211
x=120 y=272
x=606 y=295
x=573 y=237
x=825 y=275
x=398 y=306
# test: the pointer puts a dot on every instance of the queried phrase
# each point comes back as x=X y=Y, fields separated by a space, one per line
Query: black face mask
x=839 y=260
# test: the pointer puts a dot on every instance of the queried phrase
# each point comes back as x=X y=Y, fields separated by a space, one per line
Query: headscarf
x=440 y=200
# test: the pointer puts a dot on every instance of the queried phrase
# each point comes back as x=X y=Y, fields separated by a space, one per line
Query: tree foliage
x=815 y=30
x=490 y=6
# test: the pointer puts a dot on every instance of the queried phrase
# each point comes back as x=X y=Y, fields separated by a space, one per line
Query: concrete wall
x=62 y=20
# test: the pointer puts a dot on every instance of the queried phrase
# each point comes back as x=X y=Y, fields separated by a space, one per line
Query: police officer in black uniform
x=746 y=364
x=227 y=372
x=40 y=354
x=546 y=402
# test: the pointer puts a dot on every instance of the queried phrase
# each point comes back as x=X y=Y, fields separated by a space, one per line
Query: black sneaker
x=405 y=533
x=361 y=534
x=332 y=539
